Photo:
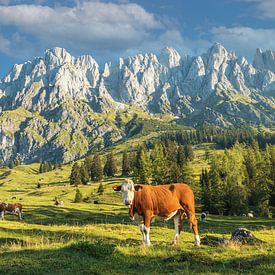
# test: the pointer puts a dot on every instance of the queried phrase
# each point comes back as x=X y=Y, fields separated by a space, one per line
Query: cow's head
x=127 y=189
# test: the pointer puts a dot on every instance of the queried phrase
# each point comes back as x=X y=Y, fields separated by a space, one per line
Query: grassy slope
x=100 y=239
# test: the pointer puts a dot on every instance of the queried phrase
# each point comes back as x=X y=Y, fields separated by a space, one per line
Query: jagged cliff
x=52 y=107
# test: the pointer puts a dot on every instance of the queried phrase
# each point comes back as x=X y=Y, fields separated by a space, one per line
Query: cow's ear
x=138 y=187
x=117 y=187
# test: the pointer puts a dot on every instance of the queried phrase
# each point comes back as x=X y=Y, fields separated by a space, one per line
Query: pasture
x=88 y=238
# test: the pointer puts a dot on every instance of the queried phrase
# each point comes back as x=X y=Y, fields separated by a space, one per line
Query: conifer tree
x=159 y=164
x=96 y=170
x=144 y=167
x=78 y=196
x=110 y=166
x=75 y=177
x=84 y=174
x=180 y=155
x=125 y=164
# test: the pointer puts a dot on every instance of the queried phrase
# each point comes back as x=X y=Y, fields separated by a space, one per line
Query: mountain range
x=58 y=107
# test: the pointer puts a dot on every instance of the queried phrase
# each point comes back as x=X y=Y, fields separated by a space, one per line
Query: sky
x=110 y=29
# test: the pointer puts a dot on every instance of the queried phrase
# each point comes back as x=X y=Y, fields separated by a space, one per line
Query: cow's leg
x=178 y=227
x=194 y=224
x=19 y=214
x=141 y=228
x=146 y=228
x=2 y=215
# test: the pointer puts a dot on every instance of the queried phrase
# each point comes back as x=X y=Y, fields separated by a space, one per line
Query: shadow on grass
x=225 y=225
x=101 y=257
x=61 y=215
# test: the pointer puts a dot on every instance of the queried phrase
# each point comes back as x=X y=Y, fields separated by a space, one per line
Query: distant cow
x=203 y=216
x=250 y=215
x=59 y=202
x=166 y=201
x=11 y=208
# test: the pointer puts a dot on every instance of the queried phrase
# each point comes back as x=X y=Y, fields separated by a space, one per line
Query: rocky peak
x=264 y=60
x=57 y=56
x=169 y=57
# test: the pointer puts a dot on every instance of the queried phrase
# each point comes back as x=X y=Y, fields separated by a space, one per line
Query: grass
x=88 y=238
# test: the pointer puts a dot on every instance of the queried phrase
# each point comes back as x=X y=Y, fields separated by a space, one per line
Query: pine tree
x=125 y=164
x=96 y=170
x=75 y=177
x=180 y=156
x=188 y=151
x=159 y=164
x=84 y=174
x=144 y=167
x=41 y=168
x=78 y=196
x=110 y=166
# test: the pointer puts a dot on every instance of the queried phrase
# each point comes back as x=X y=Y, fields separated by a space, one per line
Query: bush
x=78 y=196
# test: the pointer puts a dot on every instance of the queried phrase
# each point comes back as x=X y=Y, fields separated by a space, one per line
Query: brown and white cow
x=11 y=208
x=166 y=201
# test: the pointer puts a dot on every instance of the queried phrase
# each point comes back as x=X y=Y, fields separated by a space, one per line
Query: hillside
x=59 y=108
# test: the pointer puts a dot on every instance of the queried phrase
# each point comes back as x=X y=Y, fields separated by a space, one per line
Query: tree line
x=166 y=162
x=241 y=179
x=225 y=138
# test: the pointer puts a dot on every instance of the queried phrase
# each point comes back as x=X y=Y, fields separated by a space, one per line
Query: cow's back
x=159 y=199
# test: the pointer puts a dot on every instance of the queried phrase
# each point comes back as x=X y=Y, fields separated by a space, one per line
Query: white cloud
x=244 y=40
x=265 y=8
x=88 y=25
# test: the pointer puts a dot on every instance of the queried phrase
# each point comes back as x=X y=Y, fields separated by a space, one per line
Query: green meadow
x=88 y=238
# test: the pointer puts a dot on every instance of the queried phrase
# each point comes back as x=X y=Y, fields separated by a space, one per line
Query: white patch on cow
x=146 y=231
x=197 y=240
x=128 y=192
x=177 y=231
x=171 y=215
x=250 y=215
x=141 y=228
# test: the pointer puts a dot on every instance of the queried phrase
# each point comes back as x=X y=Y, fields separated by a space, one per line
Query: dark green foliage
x=84 y=174
x=96 y=171
x=45 y=167
x=75 y=177
x=78 y=196
x=126 y=165
x=11 y=164
x=188 y=152
x=225 y=138
x=110 y=168
x=239 y=181
x=158 y=164
x=180 y=155
x=144 y=172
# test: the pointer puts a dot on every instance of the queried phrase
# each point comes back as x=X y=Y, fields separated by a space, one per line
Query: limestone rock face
x=59 y=96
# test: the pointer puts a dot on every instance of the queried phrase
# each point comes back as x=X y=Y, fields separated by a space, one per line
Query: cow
x=166 y=201
x=58 y=202
x=11 y=208
x=203 y=216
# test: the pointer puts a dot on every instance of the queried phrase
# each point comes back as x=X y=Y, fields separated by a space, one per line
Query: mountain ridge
x=215 y=88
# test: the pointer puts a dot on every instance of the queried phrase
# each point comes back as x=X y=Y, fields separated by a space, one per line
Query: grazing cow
x=203 y=216
x=250 y=215
x=166 y=201
x=59 y=202
x=11 y=208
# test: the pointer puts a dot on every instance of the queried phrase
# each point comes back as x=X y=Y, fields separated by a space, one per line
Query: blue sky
x=109 y=29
